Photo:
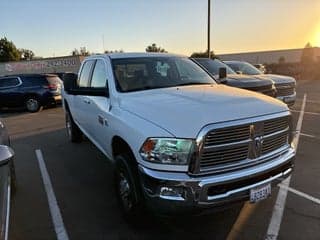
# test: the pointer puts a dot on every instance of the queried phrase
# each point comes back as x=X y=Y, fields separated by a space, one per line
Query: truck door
x=81 y=102
x=99 y=106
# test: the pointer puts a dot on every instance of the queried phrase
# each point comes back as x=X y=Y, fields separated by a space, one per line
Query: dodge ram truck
x=180 y=142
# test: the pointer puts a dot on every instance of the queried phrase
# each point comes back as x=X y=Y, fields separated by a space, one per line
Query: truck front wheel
x=127 y=187
x=73 y=131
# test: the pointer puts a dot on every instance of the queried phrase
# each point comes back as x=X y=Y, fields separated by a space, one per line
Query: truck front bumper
x=289 y=100
x=171 y=193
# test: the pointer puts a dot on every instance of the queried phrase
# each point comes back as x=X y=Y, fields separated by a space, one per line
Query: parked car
x=180 y=143
x=32 y=91
x=231 y=78
x=7 y=181
x=285 y=85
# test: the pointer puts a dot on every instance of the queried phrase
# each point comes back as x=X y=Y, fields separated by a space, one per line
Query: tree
x=307 y=56
x=26 y=54
x=83 y=52
x=114 y=51
x=153 y=48
x=204 y=55
x=8 y=51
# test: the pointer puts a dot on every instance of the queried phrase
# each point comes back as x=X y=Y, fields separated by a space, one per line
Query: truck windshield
x=213 y=66
x=136 y=74
x=245 y=68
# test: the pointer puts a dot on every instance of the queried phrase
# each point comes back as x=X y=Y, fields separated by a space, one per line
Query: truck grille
x=285 y=89
x=241 y=146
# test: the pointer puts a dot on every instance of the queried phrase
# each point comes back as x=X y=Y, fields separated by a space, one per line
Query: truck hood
x=246 y=81
x=184 y=111
x=278 y=79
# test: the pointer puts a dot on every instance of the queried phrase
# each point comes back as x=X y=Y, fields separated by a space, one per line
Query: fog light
x=172 y=193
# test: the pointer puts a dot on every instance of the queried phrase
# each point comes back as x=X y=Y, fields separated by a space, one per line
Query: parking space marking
x=277 y=214
x=53 y=204
x=311 y=113
x=308 y=135
x=301 y=194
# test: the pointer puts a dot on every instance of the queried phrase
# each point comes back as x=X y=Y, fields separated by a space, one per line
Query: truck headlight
x=167 y=150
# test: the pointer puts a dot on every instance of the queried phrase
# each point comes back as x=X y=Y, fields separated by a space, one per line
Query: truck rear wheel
x=73 y=131
x=127 y=187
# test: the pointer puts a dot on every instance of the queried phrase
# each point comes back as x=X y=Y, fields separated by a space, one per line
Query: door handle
x=86 y=101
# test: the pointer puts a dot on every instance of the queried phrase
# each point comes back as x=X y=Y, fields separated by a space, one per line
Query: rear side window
x=99 y=76
x=34 y=81
x=85 y=74
x=9 y=82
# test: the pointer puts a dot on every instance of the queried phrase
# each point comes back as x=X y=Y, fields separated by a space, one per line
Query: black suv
x=32 y=91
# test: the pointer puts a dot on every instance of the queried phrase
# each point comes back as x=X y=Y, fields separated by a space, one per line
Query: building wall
x=290 y=55
x=45 y=65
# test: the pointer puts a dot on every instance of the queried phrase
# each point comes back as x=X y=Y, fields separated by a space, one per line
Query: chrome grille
x=235 y=147
x=285 y=91
x=222 y=156
x=273 y=143
x=228 y=135
x=275 y=125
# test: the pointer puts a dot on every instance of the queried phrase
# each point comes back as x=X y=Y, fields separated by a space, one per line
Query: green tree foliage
x=82 y=52
x=203 y=55
x=307 y=56
x=114 y=51
x=8 y=51
x=26 y=54
x=153 y=48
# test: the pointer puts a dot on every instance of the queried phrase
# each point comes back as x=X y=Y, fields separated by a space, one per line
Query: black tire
x=32 y=104
x=127 y=187
x=73 y=131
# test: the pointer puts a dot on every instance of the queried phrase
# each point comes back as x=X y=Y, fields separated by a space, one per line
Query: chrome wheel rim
x=32 y=104
x=125 y=192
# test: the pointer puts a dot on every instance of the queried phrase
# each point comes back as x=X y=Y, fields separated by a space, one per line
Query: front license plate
x=260 y=193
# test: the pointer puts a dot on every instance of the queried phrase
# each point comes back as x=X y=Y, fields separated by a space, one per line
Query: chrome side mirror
x=6 y=154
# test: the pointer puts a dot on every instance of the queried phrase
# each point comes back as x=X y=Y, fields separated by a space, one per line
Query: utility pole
x=209 y=8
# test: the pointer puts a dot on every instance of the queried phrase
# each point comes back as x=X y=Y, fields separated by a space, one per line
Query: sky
x=55 y=27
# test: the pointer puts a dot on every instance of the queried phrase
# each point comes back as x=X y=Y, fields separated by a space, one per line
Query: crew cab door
x=99 y=106
x=81 y=102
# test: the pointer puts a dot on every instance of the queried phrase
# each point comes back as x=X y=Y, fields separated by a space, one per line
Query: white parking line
x=311 y=113
x=301 y=194
x=308 y=135
x=276 y=218
x=53 y=205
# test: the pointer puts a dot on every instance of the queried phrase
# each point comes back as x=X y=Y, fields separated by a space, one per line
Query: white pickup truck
x=180 y=142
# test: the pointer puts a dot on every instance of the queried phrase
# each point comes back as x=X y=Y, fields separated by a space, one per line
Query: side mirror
x=6 y=154
x=239 y=72
x=222 y=73
x=69 y=81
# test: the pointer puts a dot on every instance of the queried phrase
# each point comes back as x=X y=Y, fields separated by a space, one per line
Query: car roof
x=134 y=55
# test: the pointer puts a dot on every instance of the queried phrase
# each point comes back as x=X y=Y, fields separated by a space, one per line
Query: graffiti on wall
x=40 y=65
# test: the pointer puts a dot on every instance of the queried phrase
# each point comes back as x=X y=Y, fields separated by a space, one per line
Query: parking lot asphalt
x=82 y=183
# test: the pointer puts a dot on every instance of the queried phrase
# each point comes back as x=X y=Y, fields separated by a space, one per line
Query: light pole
x=209 y=8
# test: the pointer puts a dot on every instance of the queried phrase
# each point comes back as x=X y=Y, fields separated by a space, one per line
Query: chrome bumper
x=289 y=100
x=198 y=194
